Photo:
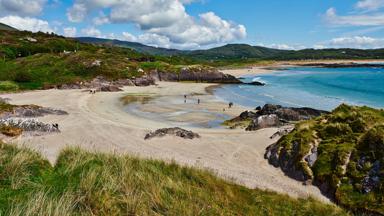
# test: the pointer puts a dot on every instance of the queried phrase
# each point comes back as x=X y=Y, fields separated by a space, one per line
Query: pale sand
x=272 y=67
x=98 y=123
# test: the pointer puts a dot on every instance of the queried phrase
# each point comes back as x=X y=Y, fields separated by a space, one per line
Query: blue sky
x=199 y=24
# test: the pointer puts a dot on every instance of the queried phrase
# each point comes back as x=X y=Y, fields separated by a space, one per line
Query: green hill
x=84 y=183
x=235 y=51
x=7 y=27
x=342 y=153
x=133 y=45
x=40 y=60
x=245 y=53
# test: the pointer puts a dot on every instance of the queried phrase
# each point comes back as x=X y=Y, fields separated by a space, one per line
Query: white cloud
x=77 y=13
x=129 y=37
x=27 y=23
x=70 y=31
x=164 y=22
x=359 y=42
x=283 y=46
x=92 y=32
x=370 y=5
x=353 y=20
x=22 y=7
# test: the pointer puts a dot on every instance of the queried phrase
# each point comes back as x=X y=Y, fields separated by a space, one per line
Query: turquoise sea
x=320 y=88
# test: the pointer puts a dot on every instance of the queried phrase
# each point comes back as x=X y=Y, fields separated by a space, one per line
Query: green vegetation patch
x=350 y=155
x=83 y=183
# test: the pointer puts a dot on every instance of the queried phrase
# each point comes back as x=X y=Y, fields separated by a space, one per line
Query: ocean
x=320 y=88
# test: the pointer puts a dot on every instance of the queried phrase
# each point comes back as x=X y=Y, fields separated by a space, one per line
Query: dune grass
x=84 y=183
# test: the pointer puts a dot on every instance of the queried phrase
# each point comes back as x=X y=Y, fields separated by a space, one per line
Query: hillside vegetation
x=244 y=53
x=342 y=153
x=38 y=60
x=83 y=183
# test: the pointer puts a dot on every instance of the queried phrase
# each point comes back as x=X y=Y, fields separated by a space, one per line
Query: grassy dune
x=349 y=165
x=83 y=183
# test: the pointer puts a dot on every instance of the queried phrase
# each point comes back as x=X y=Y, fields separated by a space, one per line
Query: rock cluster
x=196 y=74
x=29 y=125
x=275 y=115
x=176 y=131
x=100 y=83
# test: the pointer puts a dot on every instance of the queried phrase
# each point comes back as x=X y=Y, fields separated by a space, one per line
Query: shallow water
x=174 y=112
x=321 y=88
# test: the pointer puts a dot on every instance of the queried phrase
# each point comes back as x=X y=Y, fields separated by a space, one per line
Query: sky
x=202 y=24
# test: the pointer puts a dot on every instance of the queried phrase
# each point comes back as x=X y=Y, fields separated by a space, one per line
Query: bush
x=8 y=86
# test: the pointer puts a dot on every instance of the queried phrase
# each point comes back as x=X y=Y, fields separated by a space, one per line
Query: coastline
x=273 y=67
x=99 y=123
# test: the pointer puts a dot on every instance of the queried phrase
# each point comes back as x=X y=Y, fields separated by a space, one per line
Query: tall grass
x=84 y=183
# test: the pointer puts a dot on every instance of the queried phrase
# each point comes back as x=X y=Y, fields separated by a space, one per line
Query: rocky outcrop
x=196 y=74
x=341 y=157
x=30 y=125
x=144 y=81
x=179 y=132
x=264 y=121
x=291 y=113
x=101 y=83
x=110 y=88
x=274 y=116
x=255 y=83
x=31 y=111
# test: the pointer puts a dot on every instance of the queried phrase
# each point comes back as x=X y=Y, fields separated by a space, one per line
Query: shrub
x=8 y=86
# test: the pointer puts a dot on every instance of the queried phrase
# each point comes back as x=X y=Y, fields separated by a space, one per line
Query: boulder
x=110 y=88
x=185 y=134
x=144 y=81
x=264 y=121
x=256 y=83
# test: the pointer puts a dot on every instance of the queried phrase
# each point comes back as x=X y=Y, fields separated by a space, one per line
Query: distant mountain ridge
x=245 y=52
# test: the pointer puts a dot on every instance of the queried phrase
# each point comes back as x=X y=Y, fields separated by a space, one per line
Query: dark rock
x=278 y=157
x=172 y=131
x=144 y=81
x=255 y=83
x=370 y=183
x=110 y=88
x=291 y=113
x=196 y=74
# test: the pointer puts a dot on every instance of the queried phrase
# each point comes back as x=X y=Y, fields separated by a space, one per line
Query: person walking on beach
x=230 y=105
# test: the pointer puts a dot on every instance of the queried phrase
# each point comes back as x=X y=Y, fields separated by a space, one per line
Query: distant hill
x=133 y=45
x=235 y=51
x=245 y=52
x=7 y=27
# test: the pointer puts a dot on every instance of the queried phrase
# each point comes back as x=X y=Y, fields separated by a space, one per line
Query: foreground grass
x=99 y=184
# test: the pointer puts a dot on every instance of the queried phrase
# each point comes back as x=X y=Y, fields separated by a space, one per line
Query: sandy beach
x=100 y=122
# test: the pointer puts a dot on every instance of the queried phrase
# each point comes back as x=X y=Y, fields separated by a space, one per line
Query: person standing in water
x=185 y=98
x=198 y=101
